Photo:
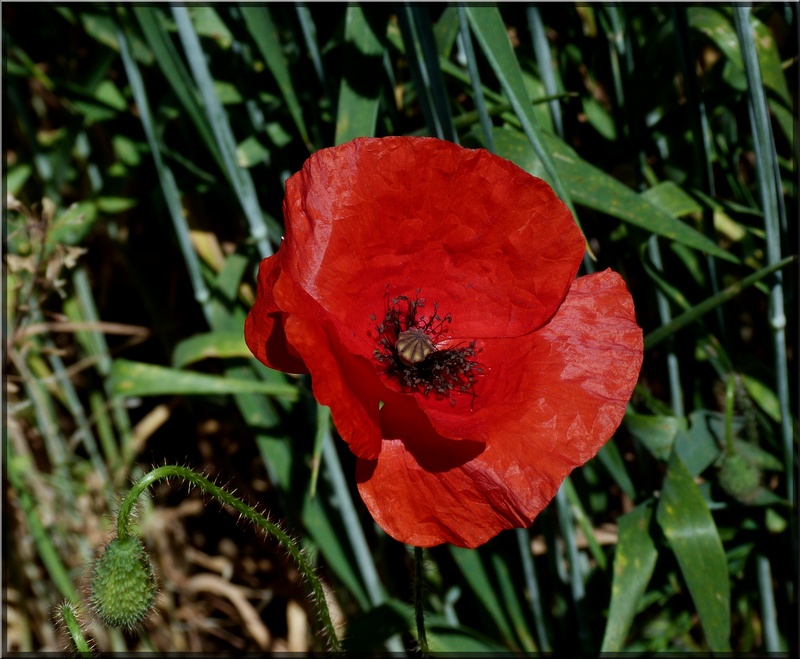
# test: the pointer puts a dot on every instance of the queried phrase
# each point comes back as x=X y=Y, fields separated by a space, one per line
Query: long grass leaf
x=657 y=336
x=239 y=177
x=262 y=28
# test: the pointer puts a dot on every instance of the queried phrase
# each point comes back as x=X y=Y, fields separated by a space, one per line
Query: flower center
x=410 y=350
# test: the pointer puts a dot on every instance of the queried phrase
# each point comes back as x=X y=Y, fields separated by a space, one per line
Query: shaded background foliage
x=147 y=147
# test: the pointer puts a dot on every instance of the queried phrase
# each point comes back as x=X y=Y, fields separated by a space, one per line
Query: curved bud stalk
x=123 y=586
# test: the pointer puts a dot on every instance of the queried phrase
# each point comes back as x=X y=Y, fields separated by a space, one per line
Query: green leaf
x=251 y=152
x=208 y=24
x=699 y=446
x=671 y=199
x=113 y=205
x=370 y=630
x=138 y=379
x=609 y=456
x=461 y=641
x=634 y=561
x=16 y=177
x=212 y=344
x=359 y=93
x=262 y=28
x=73 y=225
x=592 y=187
x=657 y=433
x=687 y=523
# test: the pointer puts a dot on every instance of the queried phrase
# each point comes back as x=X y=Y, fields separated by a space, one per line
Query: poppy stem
x=419 y=578
x=125 y=516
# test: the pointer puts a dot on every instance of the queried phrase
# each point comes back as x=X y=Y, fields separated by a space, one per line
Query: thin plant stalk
x=665 y=315
x=771 y=197
x=532 y=585
x=419 y=600
x=573 y=556
x=354 y=531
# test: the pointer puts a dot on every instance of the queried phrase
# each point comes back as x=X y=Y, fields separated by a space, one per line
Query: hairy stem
x=124 y=519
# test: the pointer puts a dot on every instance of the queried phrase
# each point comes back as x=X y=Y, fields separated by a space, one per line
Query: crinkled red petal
x=491 y=244
x=264 y=330
x=572 y=380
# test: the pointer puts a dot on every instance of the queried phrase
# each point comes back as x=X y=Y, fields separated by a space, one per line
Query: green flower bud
x=123 y=585
x=739 y=477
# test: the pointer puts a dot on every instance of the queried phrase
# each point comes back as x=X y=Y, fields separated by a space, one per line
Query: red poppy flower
x=430 y=291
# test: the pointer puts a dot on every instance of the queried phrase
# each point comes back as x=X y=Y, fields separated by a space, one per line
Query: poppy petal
x=264 y=330
x=492 y=245
x=575 y=376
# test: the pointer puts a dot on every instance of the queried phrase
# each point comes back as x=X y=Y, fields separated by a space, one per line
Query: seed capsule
x=413 y=346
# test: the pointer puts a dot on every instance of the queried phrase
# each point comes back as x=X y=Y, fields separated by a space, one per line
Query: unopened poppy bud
x=739 y=477
x=123 y=585
x=413 y=346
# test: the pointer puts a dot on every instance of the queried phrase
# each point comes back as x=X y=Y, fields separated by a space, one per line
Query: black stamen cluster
x=443 y=372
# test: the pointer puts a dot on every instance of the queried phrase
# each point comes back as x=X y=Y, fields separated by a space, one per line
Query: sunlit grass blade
x=687 y=523
x=239 y=177
x=262 y=28
x=358 y=542
x=418 y=70
x=634 y=562
x=138 y=379
x=665 y=315
x=575 y=576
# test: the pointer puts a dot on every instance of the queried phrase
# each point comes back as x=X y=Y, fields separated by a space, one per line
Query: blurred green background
x=145 y=151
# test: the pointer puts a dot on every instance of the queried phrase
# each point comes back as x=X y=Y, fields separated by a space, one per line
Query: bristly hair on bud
x=123 y=588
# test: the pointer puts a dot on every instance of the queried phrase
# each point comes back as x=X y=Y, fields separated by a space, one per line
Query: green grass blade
x=239 y=177
x=434 y=82
x=359 y=93
x=152 y=22
x=511 y=602
x=634 y=562
x=487 y=24
x=262 y=28
x=596 y=189
x=474 y=76
x=686 y=521
x=165 y=177
x=209 y=345
x=771 y=198
x=534 y=592
x=657 y=336
x=547 y=65
x=471 y=566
